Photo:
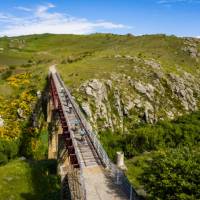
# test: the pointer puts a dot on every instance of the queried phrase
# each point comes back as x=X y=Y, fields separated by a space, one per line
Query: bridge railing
x=118 y=175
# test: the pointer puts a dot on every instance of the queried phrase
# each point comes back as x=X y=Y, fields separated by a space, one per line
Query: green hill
x=132 y=89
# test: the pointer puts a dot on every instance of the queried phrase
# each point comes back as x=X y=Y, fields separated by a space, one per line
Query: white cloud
x=169 y=2
x=7 y=18
x=44 y=21
x=3 y=16
x=23 y=8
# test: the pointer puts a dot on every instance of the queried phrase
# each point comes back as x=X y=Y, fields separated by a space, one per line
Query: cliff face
x=123 y=100
x=118 y=81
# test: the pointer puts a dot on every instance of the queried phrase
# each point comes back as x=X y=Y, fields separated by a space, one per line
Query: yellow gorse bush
x=9 y=107
x=19 y=79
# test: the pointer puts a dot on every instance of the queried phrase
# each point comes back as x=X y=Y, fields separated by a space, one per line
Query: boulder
x=1 y=122
x=117 y=56
x=140 y=87
x=129 y=57
x=147 y=90
x=22 y=158
x=97 y=90
x=128 y=106
x=170 y=114
x=20 y=113
x=88 y=91
x=138 y=103
x=152 y=63
x=39 y=94
x=109 y=83
x=86 y=108
x=191 y=48
x=149 y=113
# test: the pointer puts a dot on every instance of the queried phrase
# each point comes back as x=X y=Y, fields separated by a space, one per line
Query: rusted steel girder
x=54 y=93
x=66 y=136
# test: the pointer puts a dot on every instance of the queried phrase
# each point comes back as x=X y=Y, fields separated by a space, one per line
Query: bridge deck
x=98 y=184
x=85 y=149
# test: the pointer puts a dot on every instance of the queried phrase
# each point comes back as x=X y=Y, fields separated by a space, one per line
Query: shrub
x=181 y=132
x=3 y=159
x=6 y=74
x=173 y=174
x=9 y=148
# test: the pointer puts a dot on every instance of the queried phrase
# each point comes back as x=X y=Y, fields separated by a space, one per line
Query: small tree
x=174 y=175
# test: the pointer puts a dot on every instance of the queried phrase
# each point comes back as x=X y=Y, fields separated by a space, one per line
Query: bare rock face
x=192 y=51
x=86 y=108
x=121 y=100
x=152 y=63
x=149 y=113
x=182 y=92
x=109 y=83
x=170 y=114
x=128 y=106
x=191 y=48
x=88 y=91
x=96 y=90
x=146 y=89
x=118 y=102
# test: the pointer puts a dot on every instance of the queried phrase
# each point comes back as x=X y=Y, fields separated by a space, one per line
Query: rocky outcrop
x=146 y=89
x=149 y=113
x=97 y=92
x=86 y=108
x=118 y=102
x=191 y=48
x=152 y=63
x=129 y=105
x=96 y=89
x=111 y=103
x=182 y=92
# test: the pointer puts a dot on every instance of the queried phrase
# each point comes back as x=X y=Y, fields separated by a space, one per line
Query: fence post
x=118 y=178
x=131 y=193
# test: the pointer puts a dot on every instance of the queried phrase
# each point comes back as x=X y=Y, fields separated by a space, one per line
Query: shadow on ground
x=44 y=179
x=35 y=125
x=45 y=182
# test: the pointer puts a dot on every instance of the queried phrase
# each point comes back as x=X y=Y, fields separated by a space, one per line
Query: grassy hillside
x=29 y=180
x=132 y=89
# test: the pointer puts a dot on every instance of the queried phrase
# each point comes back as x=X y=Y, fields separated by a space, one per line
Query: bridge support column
x=49 y=110
x=55 y=131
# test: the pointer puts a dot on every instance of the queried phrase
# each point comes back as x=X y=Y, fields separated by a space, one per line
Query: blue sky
x=178 y=17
